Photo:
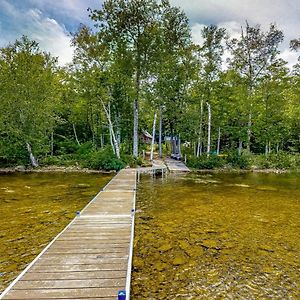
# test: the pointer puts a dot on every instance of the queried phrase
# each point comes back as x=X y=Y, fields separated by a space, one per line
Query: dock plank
x=105 y=274
x=86 y=293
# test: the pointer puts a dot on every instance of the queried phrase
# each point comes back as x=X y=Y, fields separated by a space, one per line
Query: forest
x=232 y=101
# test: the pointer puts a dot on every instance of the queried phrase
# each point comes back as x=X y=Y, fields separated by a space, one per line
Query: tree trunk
x=33 y=161
x=219 y=141
x=160 y=132
x=153 y=137
x=208 y=127
x=136 y=106
x=199 y=147
x=249 y=131
x=240 y=147
x=266 y=149
x=101 y=139
x=75 y=134
x=111 y=140
x=114 y=141
x=52 y=144
x=135 y=128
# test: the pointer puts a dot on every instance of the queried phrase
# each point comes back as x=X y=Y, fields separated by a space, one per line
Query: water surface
x=218 y=236
x=34 y=208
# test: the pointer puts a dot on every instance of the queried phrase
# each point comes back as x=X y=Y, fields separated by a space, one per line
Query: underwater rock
x=240 y=185
x=266 y=248
x=179 y=260
x=210 y=244
x=138 y=263
x=20 y=168
x=184 y=245
x=146 y=218
x=266 y=188
x=81 y=186
x=165 y=247
x=194 y=251
x=160 y=266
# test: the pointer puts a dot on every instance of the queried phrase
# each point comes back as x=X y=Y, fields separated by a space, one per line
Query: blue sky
x=50 y=22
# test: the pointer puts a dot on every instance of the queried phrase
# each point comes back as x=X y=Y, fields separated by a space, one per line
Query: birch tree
x=252 y=54
x=28 y=98
x=130 y=24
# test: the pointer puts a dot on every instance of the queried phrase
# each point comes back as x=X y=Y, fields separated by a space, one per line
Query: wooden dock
x=176 y=165
x=92 y=257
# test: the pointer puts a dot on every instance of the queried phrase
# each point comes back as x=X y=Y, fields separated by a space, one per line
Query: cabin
x=146 y=137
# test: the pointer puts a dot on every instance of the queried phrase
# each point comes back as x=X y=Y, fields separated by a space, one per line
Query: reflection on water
x=218 y=236
x=34 y=209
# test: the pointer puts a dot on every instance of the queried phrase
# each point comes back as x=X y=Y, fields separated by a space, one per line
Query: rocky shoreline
x=46 y=169
x=23 y=169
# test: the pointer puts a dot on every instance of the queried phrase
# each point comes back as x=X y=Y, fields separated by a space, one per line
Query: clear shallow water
x=218 y=236
x=34 y=208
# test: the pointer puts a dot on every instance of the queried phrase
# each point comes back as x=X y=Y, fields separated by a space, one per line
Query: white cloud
x=51 y=36
x=196 y=33
x=232 y=14
x=75 y=9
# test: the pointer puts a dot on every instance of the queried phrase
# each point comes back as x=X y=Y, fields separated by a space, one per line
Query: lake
x=217 y=236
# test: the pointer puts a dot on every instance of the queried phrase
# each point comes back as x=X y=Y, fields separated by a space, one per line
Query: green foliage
x=204 y=162
x=66 y=147
x=242 y=161
x=85 y=150
x=134 y=162
x=141 y=53
x=66 y=160
x=280 y=160
x=104 y=160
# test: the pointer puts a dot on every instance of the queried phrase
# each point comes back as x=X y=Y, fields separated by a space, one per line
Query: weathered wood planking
x=176 y=166
x=91 y=258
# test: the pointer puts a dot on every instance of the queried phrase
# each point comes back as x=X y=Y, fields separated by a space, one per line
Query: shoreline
x=49 y=169
x=266 y=171
x=69 y=169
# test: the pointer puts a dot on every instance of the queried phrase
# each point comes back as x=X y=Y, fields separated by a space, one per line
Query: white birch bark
x=160 y=132
x=208 y=127
x=33 y=160
x=199 y=146
x=249 y=131
x=52 y=144
x=240 y=147
x=153 y=136
x=266 y=149
x=75 y=134
x=219 y=141
x=114 y=141
x=135 y=128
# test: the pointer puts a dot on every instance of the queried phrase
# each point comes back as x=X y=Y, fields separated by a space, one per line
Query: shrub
x=62 y=160
x=242 y=161
x=131 y=161
x=104 y=160
x=85 y=150
x=279 y=160
x=204 y=162
x=66 y=147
